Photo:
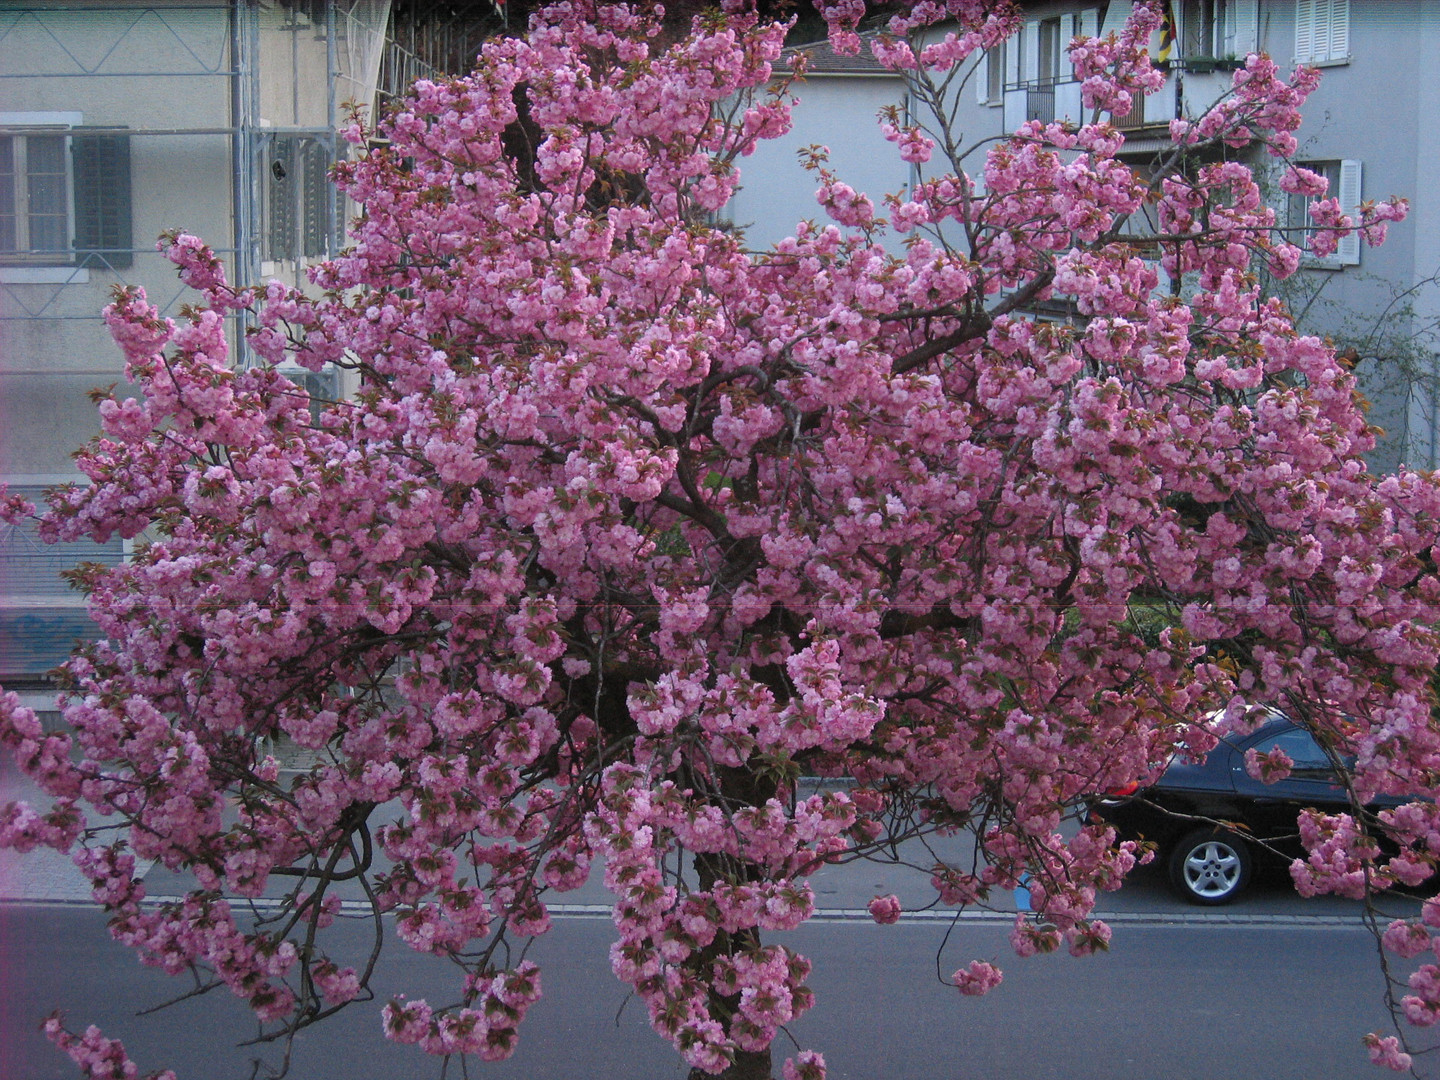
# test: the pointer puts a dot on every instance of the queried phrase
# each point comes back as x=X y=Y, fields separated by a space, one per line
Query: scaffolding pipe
x=332 y=197
x=206 y=74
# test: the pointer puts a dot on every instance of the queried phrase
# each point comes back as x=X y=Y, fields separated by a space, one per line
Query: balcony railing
x=1040 y=101
x=1133 y=119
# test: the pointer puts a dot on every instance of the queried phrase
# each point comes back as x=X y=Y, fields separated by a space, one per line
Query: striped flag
x=1167 y=33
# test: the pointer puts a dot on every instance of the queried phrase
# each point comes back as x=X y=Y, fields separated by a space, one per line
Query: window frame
x=20 y=128
x=1049 y=51
x=1327 y=19
x=321 y=388
x=1202 y=28
x=1346 y=176
x=299 y=213
x=990 y=72
x=99 y=212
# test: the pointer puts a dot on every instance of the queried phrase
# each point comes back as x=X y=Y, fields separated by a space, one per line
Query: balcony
x=1040 y=101
x=1045 y=100
x=1151 y=114
x=1135 y=118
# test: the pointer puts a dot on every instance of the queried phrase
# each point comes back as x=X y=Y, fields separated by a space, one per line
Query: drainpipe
x=332 y=64
x=239 y=181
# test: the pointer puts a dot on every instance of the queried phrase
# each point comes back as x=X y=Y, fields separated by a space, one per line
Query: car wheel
x=1210 y=866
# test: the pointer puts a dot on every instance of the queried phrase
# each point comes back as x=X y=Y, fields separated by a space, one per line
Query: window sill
x=44 y=275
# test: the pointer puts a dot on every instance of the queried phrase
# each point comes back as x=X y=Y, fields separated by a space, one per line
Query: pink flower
x=622 y=527
x=1386 y=1051
x=885 y=909
x=806 y=1065
x=979 y=978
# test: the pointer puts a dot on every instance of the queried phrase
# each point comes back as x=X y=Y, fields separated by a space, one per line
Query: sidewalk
x=44 y=875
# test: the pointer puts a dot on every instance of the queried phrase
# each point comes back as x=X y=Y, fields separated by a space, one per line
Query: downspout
x=332 y=200
x=1434 y=419
x=239 y=182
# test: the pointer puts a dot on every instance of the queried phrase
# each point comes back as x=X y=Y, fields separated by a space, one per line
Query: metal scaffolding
x=373 y=50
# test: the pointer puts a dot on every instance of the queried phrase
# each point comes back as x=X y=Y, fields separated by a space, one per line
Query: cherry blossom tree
x=627 y=527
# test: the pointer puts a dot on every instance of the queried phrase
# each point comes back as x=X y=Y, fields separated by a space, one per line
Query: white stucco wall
x=835 y=111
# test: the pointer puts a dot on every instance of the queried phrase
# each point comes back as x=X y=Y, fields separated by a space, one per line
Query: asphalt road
x=1176 y=998
x=1270 y=988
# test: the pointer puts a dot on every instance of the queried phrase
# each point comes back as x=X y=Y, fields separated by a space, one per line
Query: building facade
x=119 y=121
x=1370 y=128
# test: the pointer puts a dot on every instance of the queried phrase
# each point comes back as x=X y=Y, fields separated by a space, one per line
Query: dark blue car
x=1211 y=863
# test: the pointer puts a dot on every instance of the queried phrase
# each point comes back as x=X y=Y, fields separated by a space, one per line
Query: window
x=299 y=206
x=990 y=74
x=34 y=198
x=1048 y=51
x=1198 y=27
x=64 y=194
x=320 y=387
x=1037 y=54
x=1322 y=31
x=1302 y=749
x=1031 y=76
x=1345 y=185
x=1214 y=30
x=41 y=616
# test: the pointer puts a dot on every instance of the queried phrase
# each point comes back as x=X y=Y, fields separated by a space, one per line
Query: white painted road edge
x=1235 y=920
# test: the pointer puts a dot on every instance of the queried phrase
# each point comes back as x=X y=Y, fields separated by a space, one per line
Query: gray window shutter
x=103 y=231
x=315 y=199
x=1306 y=30
x=1339 y=30
x=283 y=178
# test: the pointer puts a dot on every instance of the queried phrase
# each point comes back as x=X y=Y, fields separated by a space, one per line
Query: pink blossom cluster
x=1385 y=1051
x=98 y=1058
x=1112 y=70
x=484 y=1026
x=979 y=978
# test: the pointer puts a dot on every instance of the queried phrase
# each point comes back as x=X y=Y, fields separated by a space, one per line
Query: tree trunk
x=749 y=1065
x=740 y=787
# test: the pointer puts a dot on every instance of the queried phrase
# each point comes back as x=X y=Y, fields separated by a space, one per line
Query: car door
x=1271 y=810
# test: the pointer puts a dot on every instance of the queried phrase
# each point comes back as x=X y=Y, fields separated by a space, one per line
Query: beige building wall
x=218 y=119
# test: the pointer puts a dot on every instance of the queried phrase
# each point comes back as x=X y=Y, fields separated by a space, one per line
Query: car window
x=1298 y=746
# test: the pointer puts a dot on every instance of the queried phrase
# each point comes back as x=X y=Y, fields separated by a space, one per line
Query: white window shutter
x=1337 y=47
x=1242 y=27
x=1029 y=39
x=1305 y=19
x=1115 y=16
x=1084 y=23
x=982 y=77
x=1347 y=253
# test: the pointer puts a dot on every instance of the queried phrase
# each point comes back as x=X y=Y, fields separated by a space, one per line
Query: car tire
x=1210 y=866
